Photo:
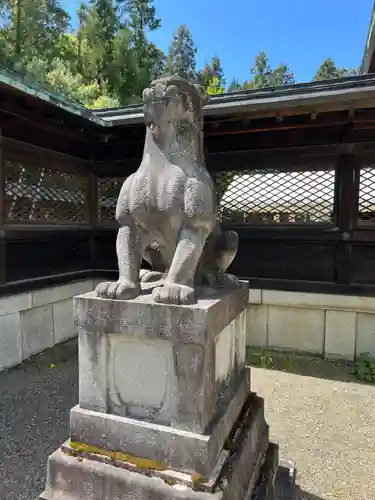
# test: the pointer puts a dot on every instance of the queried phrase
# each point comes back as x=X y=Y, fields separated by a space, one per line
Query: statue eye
x=172 y=91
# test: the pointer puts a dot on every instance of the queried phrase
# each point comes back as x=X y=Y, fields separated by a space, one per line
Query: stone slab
x=169 y=446
x=365 y=339
x=354 y=303
x=256 y=326
x=15 y=303
x=77 y=477
x=63 y=325
x=296 y=329
x=56 y=293
x=255 y=296
x=36 y=330
x=70 y=478
x=10 y=341
x=141 y=317
x=340 y=329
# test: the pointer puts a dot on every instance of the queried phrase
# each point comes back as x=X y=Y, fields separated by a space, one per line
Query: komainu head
x=173 y=102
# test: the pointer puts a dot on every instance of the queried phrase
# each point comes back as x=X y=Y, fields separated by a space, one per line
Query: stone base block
x=245 y=470
x=167 y=364
x=178 y=449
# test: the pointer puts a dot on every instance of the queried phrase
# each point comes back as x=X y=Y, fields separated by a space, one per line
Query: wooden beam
x=34 y=155
x=278 y=122
x=308 y=156
x=274 y=139
x=47 y=116
x=27 y=133
x=312 y=156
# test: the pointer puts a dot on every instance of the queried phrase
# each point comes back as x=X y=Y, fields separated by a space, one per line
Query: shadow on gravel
x=304 y=495
x=35 y=401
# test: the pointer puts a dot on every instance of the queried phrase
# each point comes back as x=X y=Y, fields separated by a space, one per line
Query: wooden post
x=346 y=204
x=2 y=185
x=2 y=215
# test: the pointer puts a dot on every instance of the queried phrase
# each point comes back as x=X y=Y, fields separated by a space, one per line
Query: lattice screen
x=275 y=197
x=109 y=188
x=366 y=201
x=43 y=194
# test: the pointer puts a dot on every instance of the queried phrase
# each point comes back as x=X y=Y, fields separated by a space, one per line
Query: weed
x=262 y=359
x=364 y=368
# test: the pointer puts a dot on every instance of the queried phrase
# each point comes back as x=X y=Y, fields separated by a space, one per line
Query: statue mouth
x=161 y=100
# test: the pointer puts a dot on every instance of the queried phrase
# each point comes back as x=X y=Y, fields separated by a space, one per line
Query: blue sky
x=300 y=33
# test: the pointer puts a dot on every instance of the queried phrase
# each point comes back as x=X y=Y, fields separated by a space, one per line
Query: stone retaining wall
x=333 y=326
x=34 y=321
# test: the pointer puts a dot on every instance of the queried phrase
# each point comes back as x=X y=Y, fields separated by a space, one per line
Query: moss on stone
x=142 y=463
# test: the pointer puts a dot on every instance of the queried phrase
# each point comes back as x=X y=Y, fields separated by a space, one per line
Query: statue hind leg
x=220 y=250
x=226 y=248
x=153 y=256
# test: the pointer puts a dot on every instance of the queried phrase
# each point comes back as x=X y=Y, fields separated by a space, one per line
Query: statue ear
x=202 y=93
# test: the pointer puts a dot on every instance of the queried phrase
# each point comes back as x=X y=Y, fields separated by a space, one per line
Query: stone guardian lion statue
x=167 y=209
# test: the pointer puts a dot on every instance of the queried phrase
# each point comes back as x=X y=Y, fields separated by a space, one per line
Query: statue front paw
x=171 y=293
x=121 y=290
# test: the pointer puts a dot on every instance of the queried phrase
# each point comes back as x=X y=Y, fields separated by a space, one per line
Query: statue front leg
x=178 y=287
x=128 y=247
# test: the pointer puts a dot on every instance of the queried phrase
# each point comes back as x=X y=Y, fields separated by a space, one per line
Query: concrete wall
x=32 y=322
x=340 y=327
x=337 y=327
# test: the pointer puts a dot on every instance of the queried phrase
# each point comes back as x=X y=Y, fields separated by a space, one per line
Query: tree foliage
x=210 y=71
x=214 y=86
x=181 y=55
x=264 y=76
x=108 y=59
x=328 y=70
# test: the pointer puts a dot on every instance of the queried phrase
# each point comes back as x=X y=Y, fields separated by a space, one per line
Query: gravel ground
x=34 y=414
x=327 y=427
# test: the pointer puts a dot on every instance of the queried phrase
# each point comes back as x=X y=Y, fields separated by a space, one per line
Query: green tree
x=181 y=55
x=328 y=70
x=211 y=71
x=99 y=27
x=143 y=61
x=30 y=29
x=281 y=76
x=265 y=76
x=59 y=78
x=214 y=87
x=234 y=86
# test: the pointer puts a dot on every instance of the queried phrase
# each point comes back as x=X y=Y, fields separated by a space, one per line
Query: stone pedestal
x=165 y=408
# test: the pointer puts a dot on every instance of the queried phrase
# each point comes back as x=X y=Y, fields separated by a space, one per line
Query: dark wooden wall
x=57 y=217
